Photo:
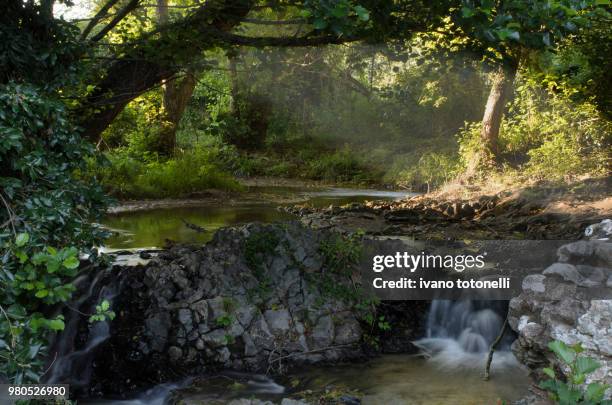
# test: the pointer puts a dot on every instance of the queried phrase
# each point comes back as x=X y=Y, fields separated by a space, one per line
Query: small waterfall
x=459 y=334
x=72 y=364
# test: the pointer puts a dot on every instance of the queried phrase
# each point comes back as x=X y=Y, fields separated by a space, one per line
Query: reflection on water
x=151 y=228
x=403 y=379
x=389 y=380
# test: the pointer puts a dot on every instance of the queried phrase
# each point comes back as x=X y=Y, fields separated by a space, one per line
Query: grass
x=190 y=172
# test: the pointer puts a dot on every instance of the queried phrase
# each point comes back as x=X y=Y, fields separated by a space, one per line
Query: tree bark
x=502 y=81
x=234 y=89
x=176 y=94
x=156 y=59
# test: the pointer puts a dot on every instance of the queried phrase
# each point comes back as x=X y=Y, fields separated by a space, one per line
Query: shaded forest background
x=169 y=98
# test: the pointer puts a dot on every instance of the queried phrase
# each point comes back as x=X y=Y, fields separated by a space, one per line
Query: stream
x=448 y=371
x=151 y=228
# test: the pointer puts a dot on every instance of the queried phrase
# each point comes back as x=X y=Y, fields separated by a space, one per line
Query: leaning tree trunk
x=502 y=81
x=176 y=95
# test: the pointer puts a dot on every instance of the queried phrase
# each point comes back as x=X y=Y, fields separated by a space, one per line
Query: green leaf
x=71 y=262
x=467 y=12
x=21 y=256
x=53 y=265
x=595 y=392
x=586 y=365
x=319 y=24
x=362 y=13
x=41 y=293
x=105 y=305
x=549 y=372
x=22 y=239
x=563 y=351
x=56 y=324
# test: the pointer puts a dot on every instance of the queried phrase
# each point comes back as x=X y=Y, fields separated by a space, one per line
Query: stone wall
x=557 y=305
x=228 y=305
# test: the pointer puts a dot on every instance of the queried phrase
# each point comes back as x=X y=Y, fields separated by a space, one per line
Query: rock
x=157 y=327
x=278 y=321
x=215 y=338
x=323 y=333
x=601 y=231
x=288 y=401
x=565 y=312
x=534 y=282
x=174 y=354
x=184 y=317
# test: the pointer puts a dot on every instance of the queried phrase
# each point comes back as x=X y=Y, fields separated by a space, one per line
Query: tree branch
x=131 y=6
x=274 y=22
x=96 y=19
x=307 y=40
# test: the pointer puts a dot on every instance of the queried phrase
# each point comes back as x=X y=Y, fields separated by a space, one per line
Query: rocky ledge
x=508 y=215
x=555 y=305
x=256 y=298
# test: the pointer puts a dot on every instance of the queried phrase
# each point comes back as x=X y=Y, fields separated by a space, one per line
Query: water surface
x=154 y=227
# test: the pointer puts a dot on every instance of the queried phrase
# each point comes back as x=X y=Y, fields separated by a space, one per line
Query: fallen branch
x=195 y=227
x=492 y=349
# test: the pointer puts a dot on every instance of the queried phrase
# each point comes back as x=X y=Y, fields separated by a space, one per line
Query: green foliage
x=341 y=253
x=498 y=29
x=571 y=392
x=48 y=217
x=340 y=166
x=223 y=321
x=547 y=136
x=103 y=313
x=342 y=17
x=188 y=172
x=432 y=169
x=257 y=248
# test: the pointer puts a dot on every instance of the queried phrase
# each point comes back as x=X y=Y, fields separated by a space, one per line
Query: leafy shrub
x=188 y=172
x=431 y=169
x=340 y=166
x=47 y=217
x=570 y=392
x=547 y=136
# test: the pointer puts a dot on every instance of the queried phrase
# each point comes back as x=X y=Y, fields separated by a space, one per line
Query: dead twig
x=492 y=349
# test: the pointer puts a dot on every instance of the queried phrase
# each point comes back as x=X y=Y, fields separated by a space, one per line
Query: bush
x=340 y=166
x=188 y=172
x=547 y=136
x=47 y=215
x=431 y=169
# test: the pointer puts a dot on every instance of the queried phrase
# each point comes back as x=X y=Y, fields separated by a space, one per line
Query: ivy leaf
x=71 y=263
x=53 y=265
x=22 y=239
x=56 y=324
x=41 y=293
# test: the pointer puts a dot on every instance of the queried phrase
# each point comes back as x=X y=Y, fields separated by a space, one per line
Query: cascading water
x=71 y=362
x=460 y=333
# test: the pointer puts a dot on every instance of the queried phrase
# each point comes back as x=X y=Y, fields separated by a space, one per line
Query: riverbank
x=540 y=212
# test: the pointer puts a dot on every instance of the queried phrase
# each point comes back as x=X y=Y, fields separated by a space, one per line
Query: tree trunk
x=233 y=75
x=176 y=95
x=151 y=62
x=502 y=81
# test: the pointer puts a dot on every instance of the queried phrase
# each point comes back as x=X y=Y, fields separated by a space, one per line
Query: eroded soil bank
x=546 y=212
